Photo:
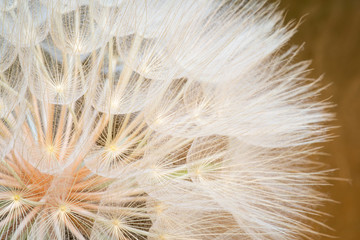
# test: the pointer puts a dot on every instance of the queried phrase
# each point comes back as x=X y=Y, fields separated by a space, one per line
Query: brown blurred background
x=331 y=32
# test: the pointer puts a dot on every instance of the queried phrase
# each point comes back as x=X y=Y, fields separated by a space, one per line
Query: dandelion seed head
x=156 y=120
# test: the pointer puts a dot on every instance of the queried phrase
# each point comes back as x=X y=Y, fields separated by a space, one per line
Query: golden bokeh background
x=331 y=32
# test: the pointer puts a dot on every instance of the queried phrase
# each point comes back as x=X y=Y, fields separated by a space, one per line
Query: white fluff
x=156 y=120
